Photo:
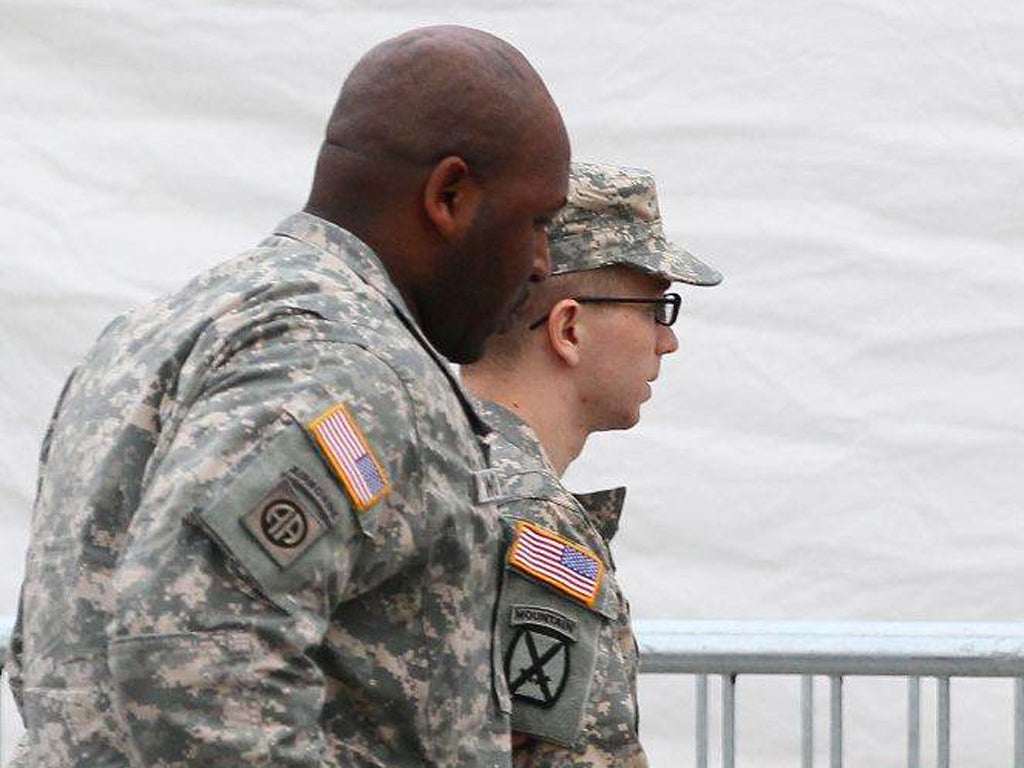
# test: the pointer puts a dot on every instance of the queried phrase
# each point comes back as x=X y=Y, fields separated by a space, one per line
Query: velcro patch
x=488 y=485
x=559 y=562
x=350 y=456
x=283 y=525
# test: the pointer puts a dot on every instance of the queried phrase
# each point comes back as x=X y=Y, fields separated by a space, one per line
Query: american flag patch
x=350 y=456
x=565 y=565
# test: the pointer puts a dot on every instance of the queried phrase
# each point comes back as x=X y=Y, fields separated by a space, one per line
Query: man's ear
x=451 y=197
x=563 y=329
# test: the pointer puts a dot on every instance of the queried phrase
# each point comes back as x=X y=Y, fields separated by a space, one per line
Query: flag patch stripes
x=350 y=456
x=557 y=561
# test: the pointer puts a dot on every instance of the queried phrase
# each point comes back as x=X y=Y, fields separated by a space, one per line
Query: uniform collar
x=516 y=432
x=359 y=257
x=346 y=247
x=603 y=508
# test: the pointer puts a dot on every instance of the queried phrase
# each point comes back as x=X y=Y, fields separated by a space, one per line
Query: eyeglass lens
x=667 y=310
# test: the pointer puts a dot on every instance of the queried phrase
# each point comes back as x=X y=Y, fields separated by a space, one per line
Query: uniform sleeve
x=291 y=486
x=12 y=658
x=550 y=619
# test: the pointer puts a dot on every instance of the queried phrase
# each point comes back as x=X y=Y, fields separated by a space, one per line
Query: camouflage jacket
x=563 y=624
x=256 y=539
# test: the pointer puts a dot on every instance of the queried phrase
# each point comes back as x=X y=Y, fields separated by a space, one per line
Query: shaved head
x=425 y=95
x=446 y=154
x=434 y=92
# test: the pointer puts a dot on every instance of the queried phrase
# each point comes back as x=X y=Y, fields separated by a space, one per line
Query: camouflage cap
x=612 y=217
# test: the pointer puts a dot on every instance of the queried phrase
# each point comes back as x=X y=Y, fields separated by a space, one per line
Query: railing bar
x=1018 y=722
x=702 y=721
x=913 y=722
x=728 y=721
x=807 y=721
x=942 y=758
x=836 y=709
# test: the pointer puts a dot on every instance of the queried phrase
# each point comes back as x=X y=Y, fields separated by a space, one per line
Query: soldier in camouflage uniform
x=257 y=537
x=585 y=365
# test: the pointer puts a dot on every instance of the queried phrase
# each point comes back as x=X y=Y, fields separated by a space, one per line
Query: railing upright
x=1018 y=723
x=702 y=721
x=807 y=721
x=836 y=721
x=728 y=721
x=913 y=722
x=942 y=722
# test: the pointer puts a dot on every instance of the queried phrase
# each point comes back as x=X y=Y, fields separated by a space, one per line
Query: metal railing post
x=807 y=721
x=942 y=747
x=729 y=721
x=913 y=722
x=702 y=721
x=1018 y=722
x=836 y=686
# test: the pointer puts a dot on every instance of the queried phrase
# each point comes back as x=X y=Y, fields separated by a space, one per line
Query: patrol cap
x=611 y=217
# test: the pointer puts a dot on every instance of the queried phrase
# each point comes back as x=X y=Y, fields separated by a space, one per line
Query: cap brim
x=668 y=261
x=678 y=265
x=651 y=256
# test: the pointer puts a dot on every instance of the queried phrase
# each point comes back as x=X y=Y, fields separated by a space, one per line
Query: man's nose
x=667 y=341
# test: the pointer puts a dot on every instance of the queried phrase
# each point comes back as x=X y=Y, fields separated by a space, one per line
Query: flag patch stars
x=350 y=456
x=557 y=561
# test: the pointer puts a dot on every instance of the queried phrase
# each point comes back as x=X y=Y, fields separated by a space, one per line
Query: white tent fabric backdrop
x=841 y=434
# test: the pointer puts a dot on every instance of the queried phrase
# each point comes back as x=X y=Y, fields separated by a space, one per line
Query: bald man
x=258 y=537
x=578 y=358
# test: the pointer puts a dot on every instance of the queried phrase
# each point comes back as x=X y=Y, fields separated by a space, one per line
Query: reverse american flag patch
x=350 y=456
x=564 y=564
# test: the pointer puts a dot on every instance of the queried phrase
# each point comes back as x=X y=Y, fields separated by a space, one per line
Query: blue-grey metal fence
x=836 y=650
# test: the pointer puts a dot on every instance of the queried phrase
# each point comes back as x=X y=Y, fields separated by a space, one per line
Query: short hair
x=505 y=347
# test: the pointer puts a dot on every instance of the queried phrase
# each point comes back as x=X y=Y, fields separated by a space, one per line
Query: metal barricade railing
x=836 y=650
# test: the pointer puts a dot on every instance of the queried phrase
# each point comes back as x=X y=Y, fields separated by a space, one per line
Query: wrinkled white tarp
x=841 y=434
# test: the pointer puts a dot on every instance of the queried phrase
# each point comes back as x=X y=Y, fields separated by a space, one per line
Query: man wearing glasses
x=578 y=358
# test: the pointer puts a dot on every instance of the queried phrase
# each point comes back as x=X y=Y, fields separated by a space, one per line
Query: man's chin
x=620 y=423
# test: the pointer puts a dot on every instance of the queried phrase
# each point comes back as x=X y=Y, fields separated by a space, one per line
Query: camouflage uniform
x=563 y=623
x=271 y=599
x=581 y=703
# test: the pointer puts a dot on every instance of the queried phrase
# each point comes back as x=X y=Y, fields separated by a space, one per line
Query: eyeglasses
x=666 y=308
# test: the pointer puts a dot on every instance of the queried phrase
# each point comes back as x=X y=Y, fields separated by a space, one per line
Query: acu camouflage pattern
x=608 y=732
x=372 y=647
x=612 y=217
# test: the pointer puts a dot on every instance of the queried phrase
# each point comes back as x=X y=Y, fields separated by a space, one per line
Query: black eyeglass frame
x=670 y=301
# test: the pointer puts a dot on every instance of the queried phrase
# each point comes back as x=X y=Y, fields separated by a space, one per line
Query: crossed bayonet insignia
x=537 y=666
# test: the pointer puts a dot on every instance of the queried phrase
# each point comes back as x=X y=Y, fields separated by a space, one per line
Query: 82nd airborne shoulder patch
x=559 y=562
x=350 y=456
x=284 y=524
